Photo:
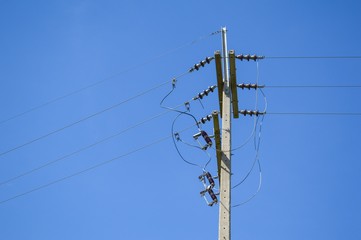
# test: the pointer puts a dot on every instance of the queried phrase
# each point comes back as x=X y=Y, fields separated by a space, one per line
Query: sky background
x=114 y=52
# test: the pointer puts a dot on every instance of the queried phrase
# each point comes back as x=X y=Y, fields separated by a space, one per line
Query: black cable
x=175 y=144
x=82 y=120
x=173 y=109
x=257 y=146
x=180 y=113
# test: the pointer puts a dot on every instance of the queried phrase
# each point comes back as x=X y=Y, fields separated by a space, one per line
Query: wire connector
x=201 y=64
x=249 y=86
x=251 y=113
x=249 y=57
x=176 y=136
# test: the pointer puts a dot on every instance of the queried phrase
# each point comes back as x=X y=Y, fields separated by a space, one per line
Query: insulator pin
x=205 y=92
x=249 y=86
x=210 y=179
x=206 y=138
x=249 y=57
x=206 y=119
x=251 y=113
x=201 y=64
x=208 y=188
x=213 y=196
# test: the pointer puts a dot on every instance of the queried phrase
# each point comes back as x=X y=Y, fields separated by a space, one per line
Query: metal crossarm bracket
x=233 y=83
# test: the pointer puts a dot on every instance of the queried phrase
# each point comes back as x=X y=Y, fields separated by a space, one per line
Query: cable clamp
x=174 y=82
x=187 y=105
x=177 y=137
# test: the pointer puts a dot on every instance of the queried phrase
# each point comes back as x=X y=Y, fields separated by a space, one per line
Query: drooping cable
x=256 y=159
x=175 y=135
x=174 y=138
x=256 y=146
x=256 y=107
x=174 y=81
x=254 y=131
x=259 y=169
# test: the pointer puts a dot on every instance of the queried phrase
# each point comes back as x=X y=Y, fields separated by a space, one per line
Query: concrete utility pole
x=224 y=229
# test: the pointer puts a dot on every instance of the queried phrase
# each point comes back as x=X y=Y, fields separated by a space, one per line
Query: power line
x=89 y=168
x=312 y=86
x=317 y=113
x=313 y=57
x=54 y=100
x=84 y=171
x=84 y=119
x=81 y=149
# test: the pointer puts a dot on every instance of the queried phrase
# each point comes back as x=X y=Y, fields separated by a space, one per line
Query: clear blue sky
x=310 y=164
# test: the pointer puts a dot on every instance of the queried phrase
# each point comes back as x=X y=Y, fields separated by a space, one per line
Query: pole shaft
x=224 y=229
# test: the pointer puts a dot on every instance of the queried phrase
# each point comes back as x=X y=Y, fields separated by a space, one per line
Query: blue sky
x=310 y=163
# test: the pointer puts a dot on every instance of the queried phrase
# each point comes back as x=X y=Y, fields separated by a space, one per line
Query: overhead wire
x=83 y=171
x=49 y=163
x=57 y=99
x=317 y=113
x=313 y=57
x=95 y=166
x=82 y=119
x=312 y=86
x=83 y=148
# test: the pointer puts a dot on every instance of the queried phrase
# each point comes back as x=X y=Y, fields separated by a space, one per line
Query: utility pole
x=224 y=228
x=228 y=97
